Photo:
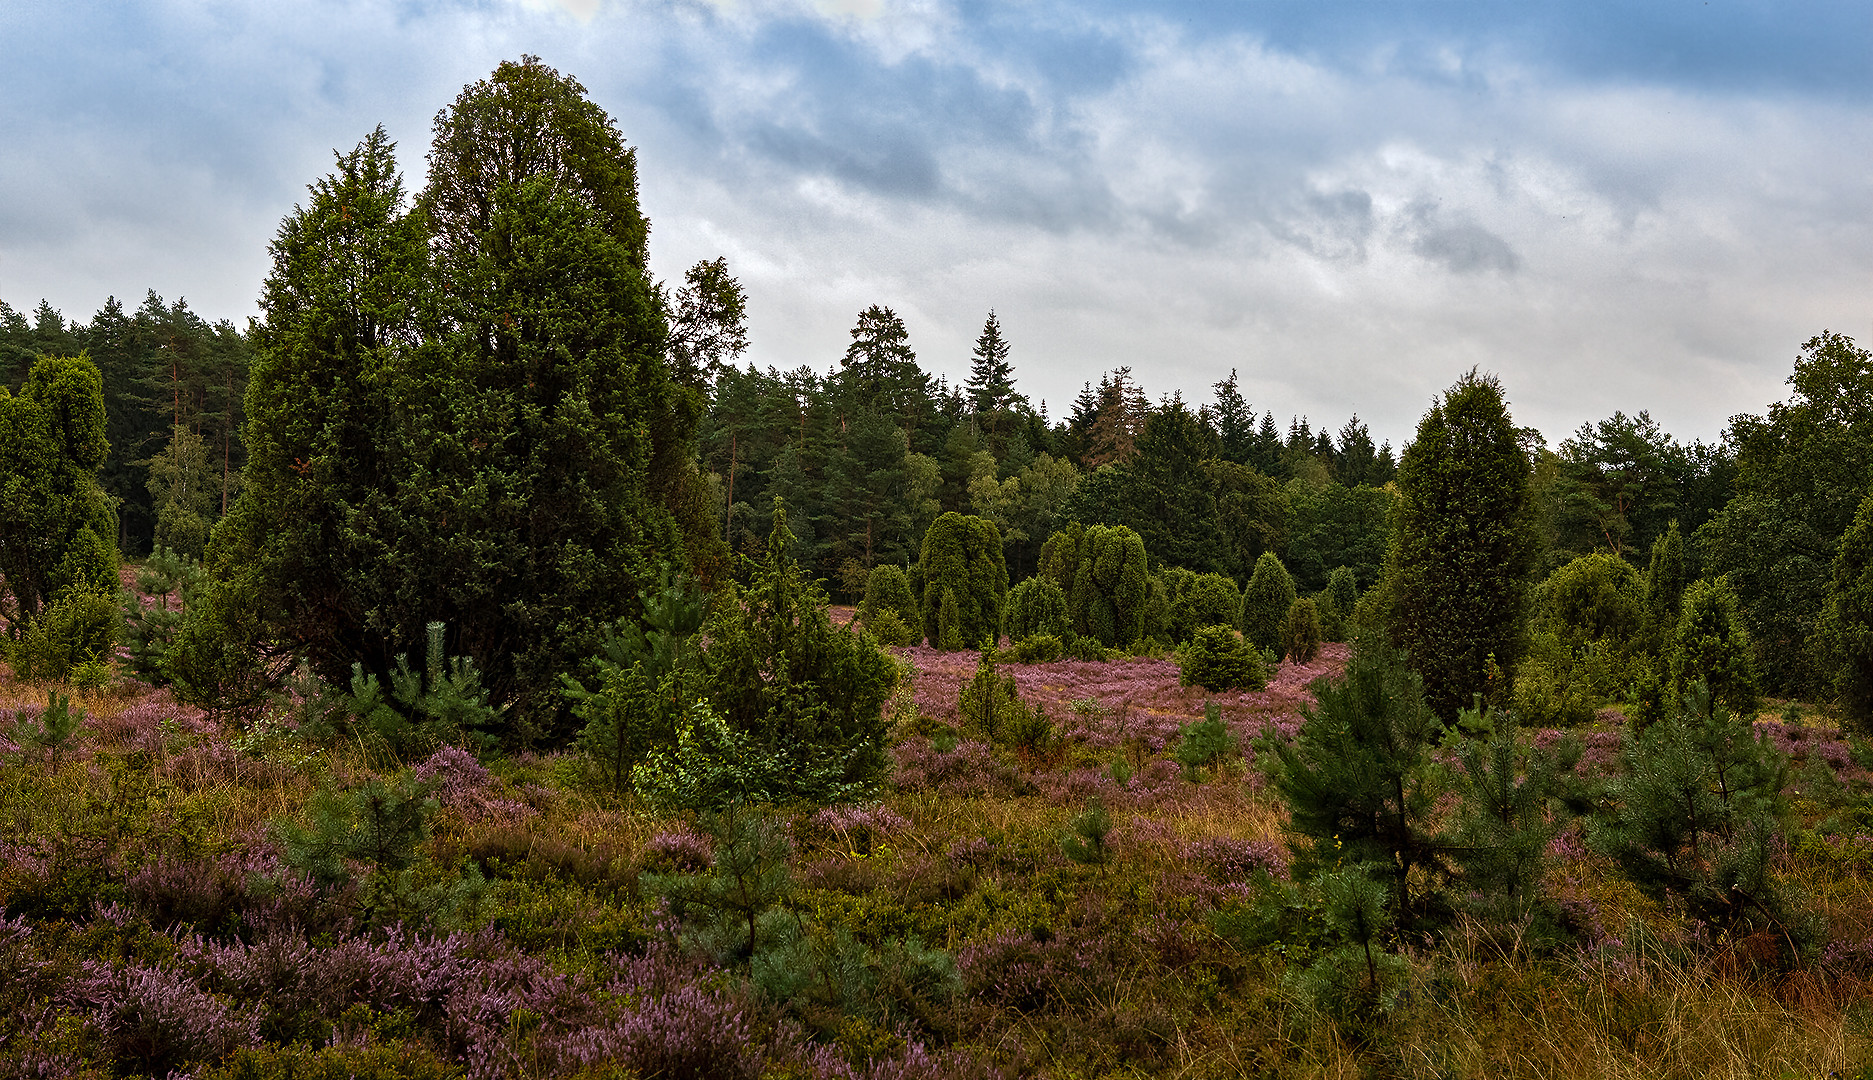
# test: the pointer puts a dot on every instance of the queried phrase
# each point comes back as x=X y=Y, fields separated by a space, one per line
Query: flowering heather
x=465 y=786
x=859 y=828
x=969 y=769
x=156 y=1018
x=1229 y=860
x=683 y=850
x=147 y=723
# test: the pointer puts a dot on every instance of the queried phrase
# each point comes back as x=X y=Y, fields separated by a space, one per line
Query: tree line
x=472 y=407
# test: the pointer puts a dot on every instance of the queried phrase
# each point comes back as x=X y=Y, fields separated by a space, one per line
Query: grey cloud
x=1461 y=247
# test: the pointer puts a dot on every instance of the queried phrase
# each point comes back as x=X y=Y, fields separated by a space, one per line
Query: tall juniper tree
x=1465 y=545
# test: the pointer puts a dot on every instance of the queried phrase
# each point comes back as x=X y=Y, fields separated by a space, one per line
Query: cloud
x=1612 y=206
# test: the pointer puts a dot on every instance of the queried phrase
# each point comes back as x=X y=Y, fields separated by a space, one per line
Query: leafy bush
x=889 y=610
x=1300 y=631
x=1037 y=606
x=1038 y=649
x=1710 y=646
x=804 y=699
x=962 y=557
x=1199 y=600
x=1108 y=595
x=77 y=628
x=1265 y=602
x=1218 y=658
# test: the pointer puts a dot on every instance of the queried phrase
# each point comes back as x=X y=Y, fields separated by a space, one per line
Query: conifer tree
x=1710 y=647
x=962 y=557
x=1465 y=544
x=1359 y=780
x=1666 y=576
x=1108 y=596
x=991 y=382
x=1265 y=602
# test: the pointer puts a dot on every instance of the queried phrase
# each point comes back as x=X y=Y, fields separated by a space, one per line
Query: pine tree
x=1359 y=780
x=1465 y=544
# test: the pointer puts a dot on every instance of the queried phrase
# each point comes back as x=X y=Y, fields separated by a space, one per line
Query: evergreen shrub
x=1037 y=606
x=1200 y=600
x=888 y=593
x=1300 y=631
x=963 y=566
x=1109 y=586
x=1038 y=649
x=1218 y=658
x=78 y=628
x=1710 y=646
x=1265 y=602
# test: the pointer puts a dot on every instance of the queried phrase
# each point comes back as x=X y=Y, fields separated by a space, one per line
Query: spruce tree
x=991 y=382
x=1465 y=544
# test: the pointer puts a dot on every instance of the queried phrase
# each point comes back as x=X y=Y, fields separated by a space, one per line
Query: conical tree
x=1849 y=619
x=1465 y=545
x=1265 y=602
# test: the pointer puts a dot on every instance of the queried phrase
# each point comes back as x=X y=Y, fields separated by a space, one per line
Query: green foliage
x=990 y=707
x=341 y=1061
x=1217 y=658
x=1710 y=646
x=962 y=556
x=1802 y=471
x=1039 y=649
x=1359 y=780
x=1585 y=643
x=1060 y=556
x=1088 y=841
x=1205 y=744
x=1514 y=798
x=183 y=492
x=77 y=629
x=1667 y=575
x=1300 y=631
x=1693 y=820
x=174 y=581
x=384 y=825
x=1343 y=590
x=1265 y=602
x=1355 y=982
x=888 y=592
x=422 y=710
x=462 y=410
x=1037 y=606
x=646 y=678
x=733 y=911
x=1107 y=600
x=803 y=696
x=54 y=517
x=1848 y=620
x=1198 y=600
x=53 y=729
x=1465 y=544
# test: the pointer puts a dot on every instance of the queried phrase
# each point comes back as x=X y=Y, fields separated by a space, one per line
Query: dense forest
x=472 y=666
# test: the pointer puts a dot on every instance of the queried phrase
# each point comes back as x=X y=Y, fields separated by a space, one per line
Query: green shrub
x=1265 y=602
x=1847 y=621
x=79 y=627
x=1060 y=556
x=1300 y=631
x=1109 y=586
x=888 y=591
x=149 y=631
x=891 y=630
x=1038 y=649
x=990 y=706
x=1200 y=600
x=1037 y=606
x=1218 y=658
x=1343 y=590
x=1087 y=841
x=962 y=557
x=1709 y=645
x=422 y=710
x=1550 y=688
x=52 y=729
x=1333 y=620
x=647 y=679
x=1206 y=743
x=377 y=1060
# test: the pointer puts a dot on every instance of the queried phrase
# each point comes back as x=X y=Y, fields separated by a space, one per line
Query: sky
x=1611 y=206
